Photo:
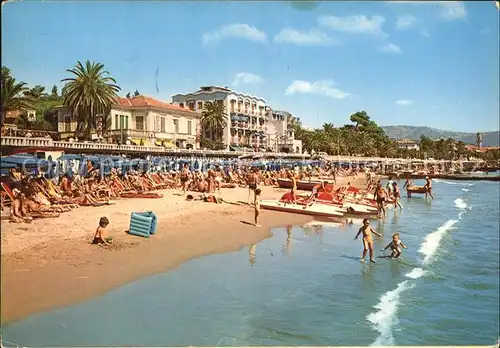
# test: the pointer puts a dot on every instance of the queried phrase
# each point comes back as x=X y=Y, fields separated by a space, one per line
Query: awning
x=234 y=148
x=137 y=141
x=166 y=143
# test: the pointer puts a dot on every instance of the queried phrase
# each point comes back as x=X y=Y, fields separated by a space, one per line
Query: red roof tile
x=143 y=101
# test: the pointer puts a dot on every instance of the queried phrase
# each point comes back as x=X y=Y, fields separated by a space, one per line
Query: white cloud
x=358 y=24
x=453 y=10
x=406 y=22
x=425 y=33
x=244 y=78
x=389 y=48
x=243 y=31
x=311 y=37
x=404 y=102
x=449 y=10
x=322 y=87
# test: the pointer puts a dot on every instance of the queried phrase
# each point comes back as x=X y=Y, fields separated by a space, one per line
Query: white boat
x=313 y=209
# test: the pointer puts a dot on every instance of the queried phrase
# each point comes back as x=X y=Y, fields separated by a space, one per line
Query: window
x=163 y=124
x=181 y=105
x=190 y=125
x=116 y=121
x=126 y=122
x=191 y=106
x=200 y=106
x=139 y=123
x=67 y=124
x=157 y=123
x=176 y=126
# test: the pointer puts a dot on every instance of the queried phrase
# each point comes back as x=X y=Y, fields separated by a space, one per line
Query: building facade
x=281 y=133
x=145 y=121
x=247 y=123
x=407 y=144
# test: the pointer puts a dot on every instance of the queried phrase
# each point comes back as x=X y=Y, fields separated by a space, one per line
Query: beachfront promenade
x=19 y=144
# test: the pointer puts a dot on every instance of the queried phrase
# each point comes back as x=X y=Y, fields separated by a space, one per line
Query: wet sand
x=51 y=263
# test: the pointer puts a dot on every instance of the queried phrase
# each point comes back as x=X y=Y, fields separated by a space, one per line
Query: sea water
x=306 y=286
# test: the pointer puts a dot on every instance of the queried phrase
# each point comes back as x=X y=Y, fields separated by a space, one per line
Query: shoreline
x=50 y=263
x=89 y=270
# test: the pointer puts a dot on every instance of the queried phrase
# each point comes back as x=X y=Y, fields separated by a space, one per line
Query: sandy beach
x=51 y=263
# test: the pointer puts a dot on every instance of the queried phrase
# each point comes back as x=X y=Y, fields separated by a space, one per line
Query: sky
x=416 y=63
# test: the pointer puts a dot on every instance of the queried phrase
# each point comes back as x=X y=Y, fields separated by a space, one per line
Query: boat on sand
x=341 y=205
x=322 y=210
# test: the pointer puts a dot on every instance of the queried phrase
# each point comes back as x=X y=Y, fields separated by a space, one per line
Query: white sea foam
x=415 y=273
x=460 y=214
x=460 y=203
x=465 y=190
x=385 y=318
x=432 y=240
x=446 y=182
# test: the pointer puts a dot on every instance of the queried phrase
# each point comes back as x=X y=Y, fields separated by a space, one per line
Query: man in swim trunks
x=185 y=173
x=428 y=187
x=380 y=197
x=252 y=182
x=407 y=184
x=367 y=231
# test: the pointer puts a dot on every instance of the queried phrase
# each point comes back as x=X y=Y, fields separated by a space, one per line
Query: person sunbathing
x=37 y=210
x=66 y=186
x=17 y=215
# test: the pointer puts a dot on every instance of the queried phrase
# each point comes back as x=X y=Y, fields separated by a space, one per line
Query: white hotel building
x=250 y=124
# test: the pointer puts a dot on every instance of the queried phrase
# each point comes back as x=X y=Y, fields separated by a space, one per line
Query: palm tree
x=35 y=92
x=90 y=93
x=328 y=128
x=214 y=118
x=12 y=94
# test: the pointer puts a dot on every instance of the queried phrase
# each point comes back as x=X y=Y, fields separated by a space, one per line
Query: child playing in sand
x=367 y=231
x=256 y=204
x=99 y=237
x=395 y=246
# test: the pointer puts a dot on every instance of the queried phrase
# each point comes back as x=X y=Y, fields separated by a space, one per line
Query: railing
x=82 y=147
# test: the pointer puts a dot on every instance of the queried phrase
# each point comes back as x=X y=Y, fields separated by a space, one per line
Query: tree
x=136 y=93
x=360 y=118
x=5 y=73
x=36 y=92
x=128 y=95
x=12 y=94
x=328 y=128
x=90 y=93
x=479 y=139
x=214 y=118
x=54 y=93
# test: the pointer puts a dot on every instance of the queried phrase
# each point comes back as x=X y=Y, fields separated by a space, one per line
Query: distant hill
x=414 y=133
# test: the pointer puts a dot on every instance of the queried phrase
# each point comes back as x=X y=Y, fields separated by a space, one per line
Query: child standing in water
x=367 y=231
x=395 y=246
x=99 y=237
x=256 y=204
